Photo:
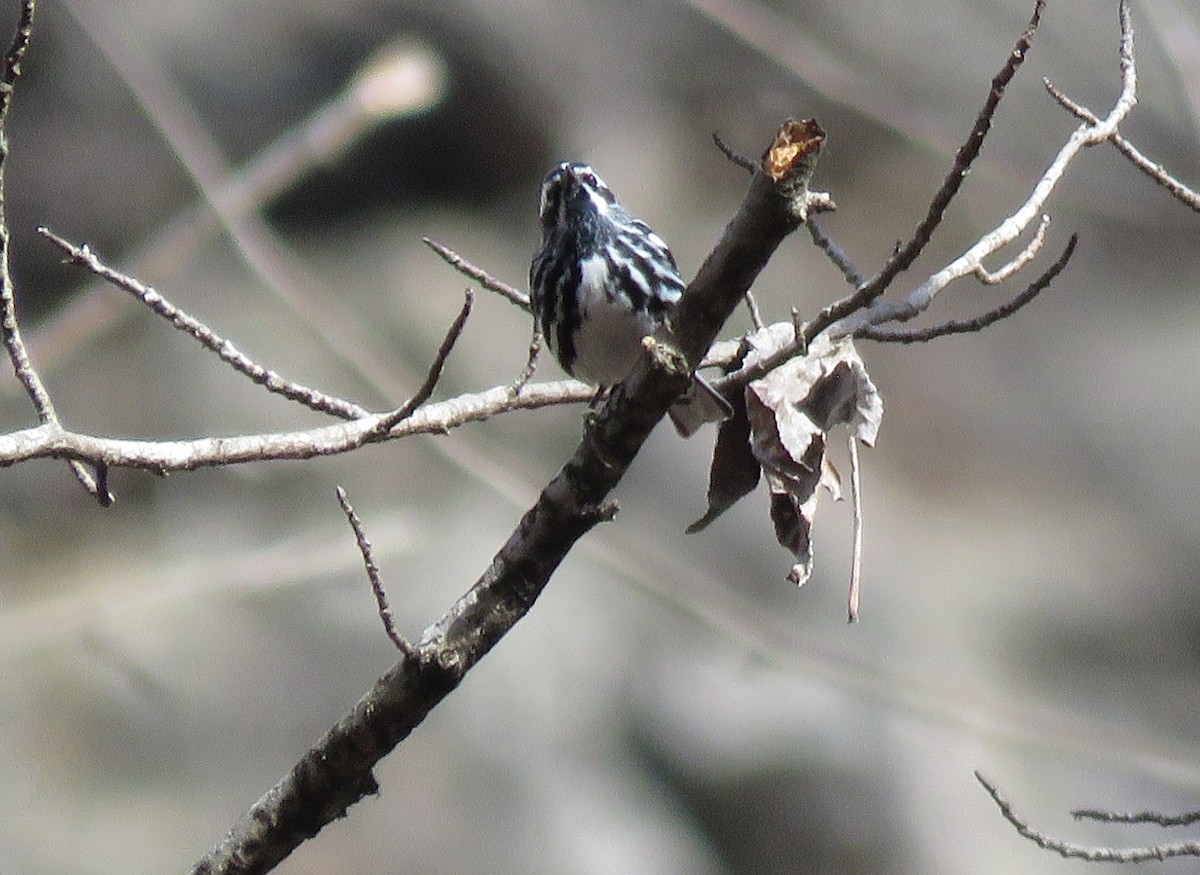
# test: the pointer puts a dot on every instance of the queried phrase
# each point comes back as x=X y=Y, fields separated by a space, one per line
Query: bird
x=601 y=281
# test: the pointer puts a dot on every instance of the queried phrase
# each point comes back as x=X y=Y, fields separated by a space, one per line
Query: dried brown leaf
x=790 y=412
x=734 y=472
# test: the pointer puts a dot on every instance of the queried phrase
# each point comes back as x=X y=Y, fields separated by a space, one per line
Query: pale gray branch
x=51 y=440
x=1087 y=134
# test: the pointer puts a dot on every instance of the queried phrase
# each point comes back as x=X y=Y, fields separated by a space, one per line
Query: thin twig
x=1026 y=255
x=364 y=547
x=10 y=327
x=405 y=410
x=836 y=254
x=756 y=318
x=737 y=158
x=1157 y=818
x=1086 y=135
x=907 y=253
x=856 y=559
x=1084 y=852
x=481 y=276
x=977 y=323
x=270 y=380
x=1181 y=192
x=527 y=372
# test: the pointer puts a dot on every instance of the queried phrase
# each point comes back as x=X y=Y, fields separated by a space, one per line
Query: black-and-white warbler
x=600 y=283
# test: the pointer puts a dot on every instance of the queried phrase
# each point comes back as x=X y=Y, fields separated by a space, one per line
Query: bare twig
x=364 y=547
x=756 y=318
x=481 y=276
x=836 y=254
x=740 y=160
x=863 y=307
x=1026 y=255
x=14 y=343
x=919 y=299
x=51 y=440
x=270 y=380
x=14 y=56
x=977 y=323
x=865 y=295
x=527 y=372
x=1085 y=852
x=1185 y=195
x=405 y=410
x=1157 y=818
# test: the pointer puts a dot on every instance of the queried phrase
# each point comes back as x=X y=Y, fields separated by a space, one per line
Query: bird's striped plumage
x=601 y=281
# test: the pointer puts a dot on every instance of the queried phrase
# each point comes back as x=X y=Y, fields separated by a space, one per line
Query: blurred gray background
x=672 y=704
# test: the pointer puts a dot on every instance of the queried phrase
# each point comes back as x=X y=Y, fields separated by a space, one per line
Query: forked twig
x=878 y=312
x=859 y=302
x=980 y=322
x=1185 y=195
x=863 y=307
x=1084 y=852
x=1024 y=257
x=10 y=328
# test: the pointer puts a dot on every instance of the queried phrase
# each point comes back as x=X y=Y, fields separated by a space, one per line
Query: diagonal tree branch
x=337 y=772
x=1185 y=195
x=270 y=380
x=879 y=311
x=481 y=276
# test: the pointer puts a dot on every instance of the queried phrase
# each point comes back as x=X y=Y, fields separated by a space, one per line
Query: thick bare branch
x=51 y=440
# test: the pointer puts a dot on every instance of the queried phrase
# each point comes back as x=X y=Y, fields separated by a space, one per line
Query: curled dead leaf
x=782 y=428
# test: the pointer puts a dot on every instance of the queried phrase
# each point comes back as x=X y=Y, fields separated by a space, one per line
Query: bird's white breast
x=609 y=343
